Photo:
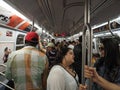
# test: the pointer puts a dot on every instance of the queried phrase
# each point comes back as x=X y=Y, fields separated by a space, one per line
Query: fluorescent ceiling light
x=44 y=31
x=96 y=26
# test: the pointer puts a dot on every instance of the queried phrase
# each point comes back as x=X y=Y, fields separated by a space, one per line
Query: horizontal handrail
x=6 y=85
x=2 y=67
x=2 y=74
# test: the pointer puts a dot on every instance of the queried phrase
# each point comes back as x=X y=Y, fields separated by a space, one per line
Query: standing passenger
x=106 y=76
x=61 y=76
x=51 y=53
x=28 y=66
x=77 y=65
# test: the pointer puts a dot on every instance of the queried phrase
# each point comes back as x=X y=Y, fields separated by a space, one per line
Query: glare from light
x=44 y=31
x=38 y=27
x=12 y=10
x=117 y=18
x=47 y=33
x=80 y=33
x=98 y=35
x=96 y=26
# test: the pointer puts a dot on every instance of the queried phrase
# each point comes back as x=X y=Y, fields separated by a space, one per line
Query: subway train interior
x=56 y=19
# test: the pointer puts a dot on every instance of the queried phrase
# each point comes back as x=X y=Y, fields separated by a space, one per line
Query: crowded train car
x=44 y=40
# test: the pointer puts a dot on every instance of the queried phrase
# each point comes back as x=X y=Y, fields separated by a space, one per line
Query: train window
x=20 y=39
x=115 y=25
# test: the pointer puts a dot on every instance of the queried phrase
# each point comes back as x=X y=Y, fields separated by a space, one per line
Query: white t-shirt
x=60 y=79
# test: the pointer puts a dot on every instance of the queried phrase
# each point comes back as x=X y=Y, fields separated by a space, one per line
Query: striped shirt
x=25 y=67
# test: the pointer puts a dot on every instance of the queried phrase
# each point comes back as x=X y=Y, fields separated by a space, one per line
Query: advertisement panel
x=3 y=45
x=10 y=19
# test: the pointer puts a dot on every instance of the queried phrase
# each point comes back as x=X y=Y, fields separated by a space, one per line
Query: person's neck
x=68 y=69
x=65 y=65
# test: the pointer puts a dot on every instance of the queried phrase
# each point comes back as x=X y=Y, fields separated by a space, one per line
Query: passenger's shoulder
x=14 y=53
x=57 y=68
x=40 y=52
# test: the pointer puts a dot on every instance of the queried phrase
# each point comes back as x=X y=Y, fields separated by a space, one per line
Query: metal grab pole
x=32 y=28
x=89 y=53
x=83 y=55
x=87 y=12
x=110 y=29
x=6 y=85
x=86 y=41
x=90 y=35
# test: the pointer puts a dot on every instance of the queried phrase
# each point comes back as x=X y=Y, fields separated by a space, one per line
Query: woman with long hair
x=106 y=74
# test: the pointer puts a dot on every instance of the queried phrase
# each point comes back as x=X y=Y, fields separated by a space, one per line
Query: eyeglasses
x=101 y=48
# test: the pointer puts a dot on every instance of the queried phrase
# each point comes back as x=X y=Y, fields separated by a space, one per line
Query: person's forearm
x=41 y=47
x=106 y=84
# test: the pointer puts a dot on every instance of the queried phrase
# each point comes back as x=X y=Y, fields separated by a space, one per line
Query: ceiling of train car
x=62 y=16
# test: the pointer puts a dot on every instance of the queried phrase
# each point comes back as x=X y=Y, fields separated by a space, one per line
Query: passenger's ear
x=64 y=57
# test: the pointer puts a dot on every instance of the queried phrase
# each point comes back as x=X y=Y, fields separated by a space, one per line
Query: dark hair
x=53 y=41
x=6 y=49
x=112 y=53
x=63 y=51
x=80 y=39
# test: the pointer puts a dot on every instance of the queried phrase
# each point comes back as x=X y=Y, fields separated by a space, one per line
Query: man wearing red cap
x=28 y=66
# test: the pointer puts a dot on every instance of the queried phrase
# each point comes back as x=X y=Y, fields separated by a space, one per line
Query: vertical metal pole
x=32 y=25
x=89 y=53
x=86 y=41
x=87 y=12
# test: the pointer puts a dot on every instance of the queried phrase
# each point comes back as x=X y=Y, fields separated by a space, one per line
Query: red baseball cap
x=32 y=37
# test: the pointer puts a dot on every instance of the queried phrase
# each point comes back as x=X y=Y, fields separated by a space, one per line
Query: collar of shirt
x=29 y=47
